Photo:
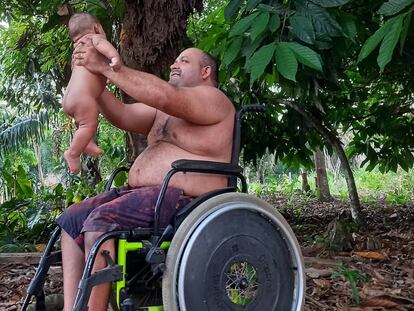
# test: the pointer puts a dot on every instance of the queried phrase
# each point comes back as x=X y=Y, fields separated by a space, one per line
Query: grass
x=373 y=187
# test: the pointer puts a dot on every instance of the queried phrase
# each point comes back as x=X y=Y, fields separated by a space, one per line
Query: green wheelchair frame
x=172 y=254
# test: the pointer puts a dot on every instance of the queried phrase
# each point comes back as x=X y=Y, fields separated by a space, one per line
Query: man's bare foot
x=93 y=150
x=73 y=162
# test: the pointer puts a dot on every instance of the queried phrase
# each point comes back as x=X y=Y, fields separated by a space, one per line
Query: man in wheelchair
x=186 y=118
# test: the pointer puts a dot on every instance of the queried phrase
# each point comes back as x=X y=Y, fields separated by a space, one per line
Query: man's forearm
x=141 y=86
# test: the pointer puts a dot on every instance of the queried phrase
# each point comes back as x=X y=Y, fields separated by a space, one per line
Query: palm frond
x=22 y=131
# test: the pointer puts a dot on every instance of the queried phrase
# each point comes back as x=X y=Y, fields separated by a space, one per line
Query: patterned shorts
x=120 y=209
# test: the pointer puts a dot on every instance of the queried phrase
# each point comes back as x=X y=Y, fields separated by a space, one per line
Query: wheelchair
x=226 y=250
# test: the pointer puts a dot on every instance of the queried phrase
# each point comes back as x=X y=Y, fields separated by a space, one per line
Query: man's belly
x=152 y=165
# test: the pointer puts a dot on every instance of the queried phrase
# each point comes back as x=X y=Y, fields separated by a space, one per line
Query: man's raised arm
x=194 y=97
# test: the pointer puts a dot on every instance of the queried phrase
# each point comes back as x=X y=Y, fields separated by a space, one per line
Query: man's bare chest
x=165 y=128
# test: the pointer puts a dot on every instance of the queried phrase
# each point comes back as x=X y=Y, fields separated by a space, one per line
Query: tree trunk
x=153 y=33
x=334 y=141
x=305 y=184
x=322 y=177
x=39 y=162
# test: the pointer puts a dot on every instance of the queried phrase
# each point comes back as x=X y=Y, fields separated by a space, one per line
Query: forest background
x=336 y=77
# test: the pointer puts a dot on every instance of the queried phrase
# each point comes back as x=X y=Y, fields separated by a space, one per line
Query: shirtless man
x=186 y=118
x=84 y=88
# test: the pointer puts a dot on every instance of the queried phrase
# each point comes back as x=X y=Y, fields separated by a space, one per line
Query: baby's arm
x=106 y=49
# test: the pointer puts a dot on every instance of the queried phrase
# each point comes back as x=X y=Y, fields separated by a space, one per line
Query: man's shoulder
x=219 y=95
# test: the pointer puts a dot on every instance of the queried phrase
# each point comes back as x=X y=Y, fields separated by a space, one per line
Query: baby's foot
x=93 y=150
x=73 y=162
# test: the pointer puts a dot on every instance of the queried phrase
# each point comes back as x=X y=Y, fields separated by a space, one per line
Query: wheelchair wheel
x=234 y=252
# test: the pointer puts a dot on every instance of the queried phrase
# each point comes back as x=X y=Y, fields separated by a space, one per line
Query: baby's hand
x=115 y=63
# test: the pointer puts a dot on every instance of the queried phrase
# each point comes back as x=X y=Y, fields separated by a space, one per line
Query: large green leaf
x=302 y=27
x=256 y=65
x=394 y=6
x=232 y=8
x=259 y=25
x=274 y=22
x=349 y=25
x=242 y=25
x=249 y=46
x=404 y=31
x=286 y=62
x=330 y=3
x=251 y=4
x=374 y=40
x=390 y=41
x=306 y=56
x=233 y=50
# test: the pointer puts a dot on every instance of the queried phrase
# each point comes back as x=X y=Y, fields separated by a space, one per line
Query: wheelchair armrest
x=108 y=184
x=206 y=167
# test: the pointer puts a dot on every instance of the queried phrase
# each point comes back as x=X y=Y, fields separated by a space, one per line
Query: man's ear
x=205 y=72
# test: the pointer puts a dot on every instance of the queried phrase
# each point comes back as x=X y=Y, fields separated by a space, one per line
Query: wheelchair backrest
x=235 y=153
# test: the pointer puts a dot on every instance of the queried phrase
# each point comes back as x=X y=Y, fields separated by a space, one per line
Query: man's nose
x=174 y=65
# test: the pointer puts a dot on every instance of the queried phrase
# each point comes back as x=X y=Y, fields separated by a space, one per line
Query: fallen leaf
x=317 y=273
x=323 y=283
x=385 y=301
x=370 y=255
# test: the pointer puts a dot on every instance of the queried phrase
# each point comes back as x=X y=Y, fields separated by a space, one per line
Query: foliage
x=306 y=52
x=353 y=277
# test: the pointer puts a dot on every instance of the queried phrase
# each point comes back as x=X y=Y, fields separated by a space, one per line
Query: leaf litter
x=381 y=261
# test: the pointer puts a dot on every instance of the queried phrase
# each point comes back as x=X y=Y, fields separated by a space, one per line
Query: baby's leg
x=93 y=150
x=86 y=116
x=80 y=102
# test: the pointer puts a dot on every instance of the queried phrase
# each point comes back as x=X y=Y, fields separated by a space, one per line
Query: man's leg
x=100 y=294
x=73 y=263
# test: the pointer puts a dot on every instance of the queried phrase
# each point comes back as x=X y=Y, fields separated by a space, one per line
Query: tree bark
x=334 y=141
x=153 y=33
x=305 y=184
x=39 y=162
x=322 y=177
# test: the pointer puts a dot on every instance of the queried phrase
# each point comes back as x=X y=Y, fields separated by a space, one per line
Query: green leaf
x=233 y=50
x=302 y=27
x=256 y=65
x=121 y=179
x=286 y=61
x=242 y=25
x=404 y=31
x=232 y=8
x=374 y=40
x=249 y=47
x=330 y=3
x=322 y=20
x=348 y=24
x=390 y=41
x=394 y=6
x=306 y=56
x=274 y=22
x=252 y=4
x=53 y=21
x=259 y=25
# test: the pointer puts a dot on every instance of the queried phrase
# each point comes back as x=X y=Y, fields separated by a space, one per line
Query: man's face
x=187 y=69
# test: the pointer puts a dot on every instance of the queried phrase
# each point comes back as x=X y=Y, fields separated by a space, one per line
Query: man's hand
x=86 y=55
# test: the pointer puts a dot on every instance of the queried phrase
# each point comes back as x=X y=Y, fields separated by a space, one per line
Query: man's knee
x=90 y=238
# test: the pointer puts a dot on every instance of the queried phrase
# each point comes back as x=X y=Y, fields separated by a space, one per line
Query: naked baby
x=84 y=89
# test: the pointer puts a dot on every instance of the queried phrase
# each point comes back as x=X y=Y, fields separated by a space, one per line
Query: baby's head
x=81 y=24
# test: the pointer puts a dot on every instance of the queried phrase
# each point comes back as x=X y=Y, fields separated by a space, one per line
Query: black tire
x=234 y=252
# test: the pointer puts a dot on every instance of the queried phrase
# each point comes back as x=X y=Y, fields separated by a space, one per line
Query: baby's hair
x=81 y=23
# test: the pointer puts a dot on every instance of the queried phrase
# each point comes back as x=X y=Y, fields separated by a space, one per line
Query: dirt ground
x=375 y=273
